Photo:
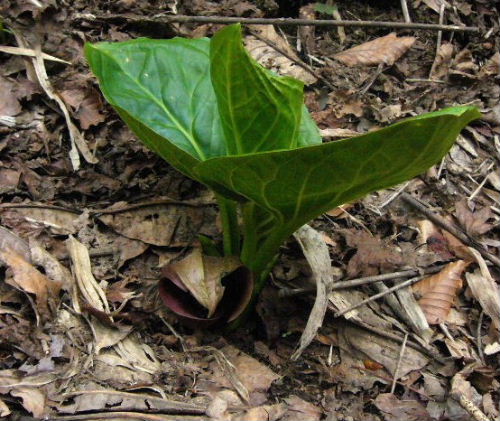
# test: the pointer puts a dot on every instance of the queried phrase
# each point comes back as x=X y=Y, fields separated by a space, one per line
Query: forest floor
x=85 y=229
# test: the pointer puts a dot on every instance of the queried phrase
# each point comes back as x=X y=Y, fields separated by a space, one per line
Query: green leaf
x=163 y=90
x=297 y=185
x=260 y=111
x=327 y=9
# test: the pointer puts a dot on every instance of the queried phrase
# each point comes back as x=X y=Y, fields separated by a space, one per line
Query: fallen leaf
x=89 y=110
x=396 y=410
x=27 y=278
x=384 y=50
x=373 y=255
x=202 y=276
x=254 y=375
x=266 y=412
x=307 y=33
x=442 y=62
x=474 y=222
x=160 y=225
x=491 y=67
x=273 y=59
x=439 y=291
x=10 y=241
x=34 y=400
x=4 y=409
x=87 y=285
x=317 y=255
x=9 y=179
x=485 y=290
x=299 y=409
x=9 y=106
x=436 y=4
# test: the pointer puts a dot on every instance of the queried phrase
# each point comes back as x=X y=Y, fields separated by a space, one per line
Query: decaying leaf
x=439 y=291
x=59 y=221
x=10 y=241
x=29 y=279
x=475 y=223
x=485 y=289
x=273 y=59
x=160 y=225
x=87 y=285
x=202 y=276
x=34 y=400
x=396 y=410
x=316 y=252
x=442 y=62
x=384 y=50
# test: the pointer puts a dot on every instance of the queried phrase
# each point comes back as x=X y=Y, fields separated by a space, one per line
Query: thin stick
x=404 y=284
x=398 y=365
x=438 y=41
x=441 y=223
x=478 y=336
x=365 y=280
x=129 y=415
x=406 y=14
x=279 y=21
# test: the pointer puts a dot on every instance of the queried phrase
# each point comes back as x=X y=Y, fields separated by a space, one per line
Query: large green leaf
x=163 y=90
x=300 y=184
x=260 y=111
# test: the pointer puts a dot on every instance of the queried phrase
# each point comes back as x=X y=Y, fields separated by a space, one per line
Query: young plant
x=219 y=117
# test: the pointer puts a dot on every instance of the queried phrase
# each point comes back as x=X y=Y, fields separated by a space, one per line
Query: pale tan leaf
x=394 y=409
x=317 y=255
x=439 y=291
x=273 y=59
x=87 y=285
x=59 y=221
x=202 y=276
x=4 y=409
x=474 y=222
x=442 y=62
x=485 y=290
x=29 y=279
x=10 y=241
x=106 y=336
x=138 y=355
x=384 y=50
x=28 y=52
x=33 y=400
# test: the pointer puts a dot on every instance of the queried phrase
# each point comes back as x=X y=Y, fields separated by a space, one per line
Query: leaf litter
x=105 y=353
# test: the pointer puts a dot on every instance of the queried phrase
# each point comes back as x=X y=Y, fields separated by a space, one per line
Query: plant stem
x=230 y=227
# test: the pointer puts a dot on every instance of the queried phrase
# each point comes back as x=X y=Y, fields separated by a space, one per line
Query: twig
x=478 y=336
x=404 y=284
x=293 y=59
x=176 y=407
x=398 y=364
x=472 y=409
x=129 y=415
x=278 y=21
x=406 y=14
x=394 y=195
x=365 y=280
x=386 y=334
x=441 y=223
x=438 y=41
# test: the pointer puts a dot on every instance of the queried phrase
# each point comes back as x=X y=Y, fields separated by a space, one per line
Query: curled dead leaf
x=439 y=291
x=206 y=289
x=384 y=50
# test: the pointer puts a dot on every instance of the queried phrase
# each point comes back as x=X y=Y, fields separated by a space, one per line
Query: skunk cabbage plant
x=211 y=111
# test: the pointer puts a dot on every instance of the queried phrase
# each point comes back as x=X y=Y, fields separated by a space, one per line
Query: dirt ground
x=89 y=216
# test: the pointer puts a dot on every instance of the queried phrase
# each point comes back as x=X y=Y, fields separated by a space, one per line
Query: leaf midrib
x=189 y=136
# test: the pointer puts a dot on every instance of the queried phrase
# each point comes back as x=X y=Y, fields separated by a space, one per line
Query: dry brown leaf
x=396 y=410
x=439 y=291
x=485 y=290
x=436 y=4
x=266 y=412
x=4 y=409
x=273 y=59
x=202 y=276
x=59 y=221
x=317 y=255
x=160 y=225
x=307 y=33
x=474 y=222
x=491 y=67
x=9 y=105
x=33 y=400
x=12 y=242
x=299 y=409
x=384 y=50
x=254 y=375
x=442 y=62
x=29 y=279
x=87 y=285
